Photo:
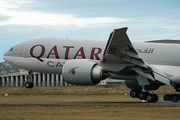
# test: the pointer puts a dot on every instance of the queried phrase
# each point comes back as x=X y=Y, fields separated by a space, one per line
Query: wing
x=121 y=57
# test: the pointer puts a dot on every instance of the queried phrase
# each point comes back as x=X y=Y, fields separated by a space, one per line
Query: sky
x=22 y=20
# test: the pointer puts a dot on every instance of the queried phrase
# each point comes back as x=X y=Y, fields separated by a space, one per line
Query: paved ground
x=157 y=103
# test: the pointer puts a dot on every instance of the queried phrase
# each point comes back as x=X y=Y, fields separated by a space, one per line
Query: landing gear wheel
x=175 y=98
x=156 y=98
x=142 y=95
x=167 y=97
x=134 y=93
x=152 y=98
x=29 y=85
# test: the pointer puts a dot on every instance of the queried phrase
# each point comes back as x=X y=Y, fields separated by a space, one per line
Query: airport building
x=12 y=76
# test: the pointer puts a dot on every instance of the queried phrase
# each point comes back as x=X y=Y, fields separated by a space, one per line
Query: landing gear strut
x=29 y=83
x=142 y=95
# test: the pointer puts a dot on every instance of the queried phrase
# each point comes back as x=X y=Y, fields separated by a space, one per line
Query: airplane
x=143 y=66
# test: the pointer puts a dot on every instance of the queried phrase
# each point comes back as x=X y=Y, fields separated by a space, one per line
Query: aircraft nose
x=6 y=57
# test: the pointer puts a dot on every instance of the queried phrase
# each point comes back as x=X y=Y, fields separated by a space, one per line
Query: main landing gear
x=173 y=97
x=29 y=83
x=144 y=95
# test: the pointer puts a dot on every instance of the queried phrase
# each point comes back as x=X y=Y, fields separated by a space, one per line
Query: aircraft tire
x=167 y=97
x=156 y=97
x=175 y=98
x=150 y=98
x=134 y=93
x=31 y=85
x=142 y=95
x=27 y=84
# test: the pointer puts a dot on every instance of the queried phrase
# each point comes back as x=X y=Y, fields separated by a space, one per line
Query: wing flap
x=119 y=50
x=140 y=72
x=162 y=79
x=160 y=76
x=135 y=61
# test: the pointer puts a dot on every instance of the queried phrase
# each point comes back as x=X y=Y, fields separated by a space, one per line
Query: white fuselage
x=49 y=55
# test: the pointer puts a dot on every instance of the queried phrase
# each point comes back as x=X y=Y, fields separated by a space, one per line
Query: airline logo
x=94 y=53
x=72 y=71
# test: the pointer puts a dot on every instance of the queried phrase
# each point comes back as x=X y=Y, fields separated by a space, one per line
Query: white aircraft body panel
x=152 y=53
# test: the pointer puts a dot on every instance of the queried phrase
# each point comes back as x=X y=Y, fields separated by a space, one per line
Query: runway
x=133 y=103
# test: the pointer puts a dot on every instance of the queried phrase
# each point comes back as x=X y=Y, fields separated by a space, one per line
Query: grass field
x=89 y=111
x=108 y=93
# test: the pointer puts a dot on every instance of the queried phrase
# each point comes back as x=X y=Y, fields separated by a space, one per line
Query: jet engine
x=83 y=72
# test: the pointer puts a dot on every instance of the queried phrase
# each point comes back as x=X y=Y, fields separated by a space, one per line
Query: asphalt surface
x=157 y=103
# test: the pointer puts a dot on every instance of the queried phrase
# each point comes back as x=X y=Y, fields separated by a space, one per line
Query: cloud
x=41 y=19
x=153 y=23
x=31 y=17
x=14 y=3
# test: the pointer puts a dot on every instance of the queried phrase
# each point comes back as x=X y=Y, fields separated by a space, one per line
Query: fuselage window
x=11 y=49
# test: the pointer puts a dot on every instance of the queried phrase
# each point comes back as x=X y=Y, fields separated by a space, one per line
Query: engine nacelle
x=83 y=72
